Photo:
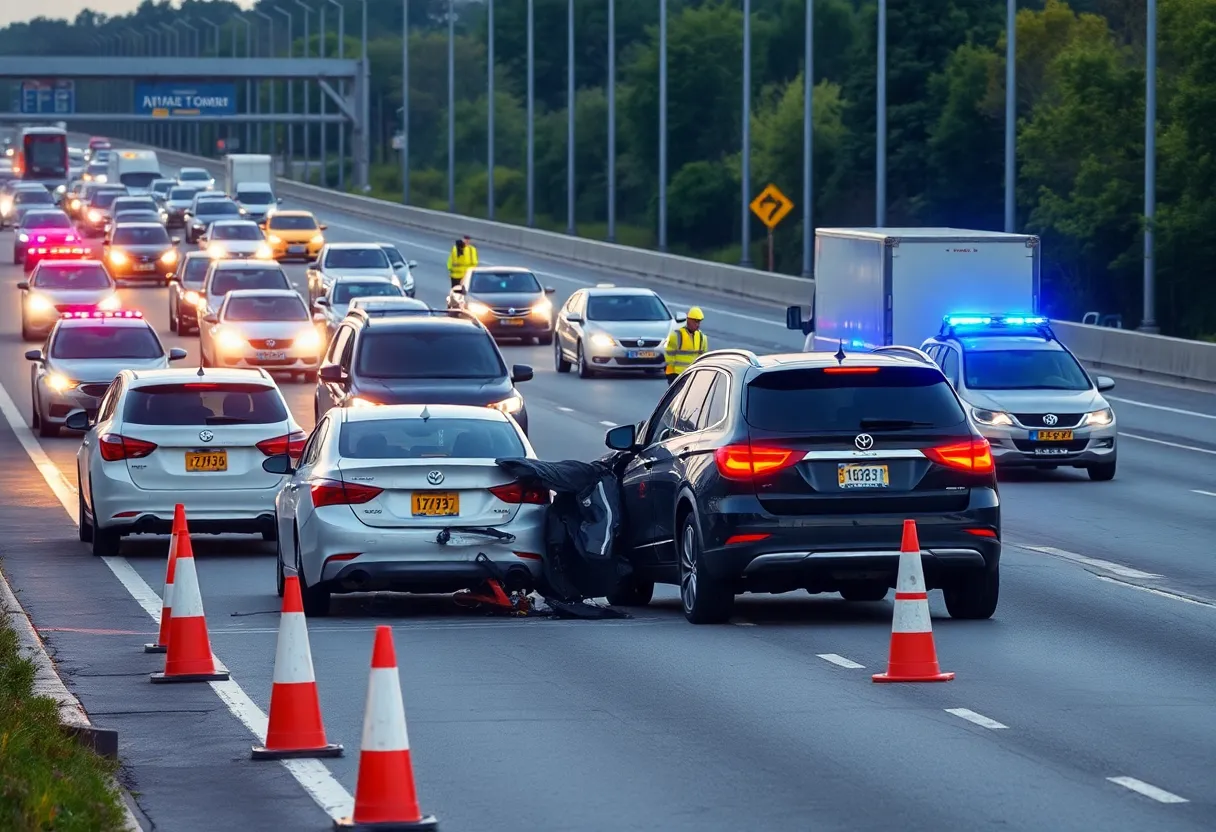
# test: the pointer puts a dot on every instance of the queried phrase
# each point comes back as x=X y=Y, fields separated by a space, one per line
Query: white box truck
x=876 y=287
x=247 y=168
x=136 y=169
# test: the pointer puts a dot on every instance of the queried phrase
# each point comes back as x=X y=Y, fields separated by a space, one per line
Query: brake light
x=981 y=532
x=973 y=456
x=115 y=447
x=514 y=492
x=339 y=493
x=745 y=462
x=291 y=444
x=746 y=538
x=850 y=370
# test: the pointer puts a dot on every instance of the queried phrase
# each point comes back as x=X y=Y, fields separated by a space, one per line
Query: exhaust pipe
x=518 y=579
x=356 y=580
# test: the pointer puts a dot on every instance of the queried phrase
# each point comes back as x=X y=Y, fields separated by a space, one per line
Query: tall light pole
x=363 y=173
x=270 y=86
x=808 y=133
x=880 y=132
x=451 y=106
x=289 y=128
x=215 y=48
x=341 y=127
x=745 y=179
x=1011 y=111
x=570 y=103
x=173 y=132
x=663 y=125
x=611 y=84
x=1148 y=322
x=307 y=95
x=248 y=82
x=197 y=52
x=405 y=102
x=490 y=109
x=530 y=151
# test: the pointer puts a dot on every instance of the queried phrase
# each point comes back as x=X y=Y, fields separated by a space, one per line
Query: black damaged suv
x=785 y=472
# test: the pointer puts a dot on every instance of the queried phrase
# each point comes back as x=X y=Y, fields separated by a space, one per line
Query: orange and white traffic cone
x=188 y=658
x=385 y=797
x=166 y=605
x=296 y=729
x=913 y=654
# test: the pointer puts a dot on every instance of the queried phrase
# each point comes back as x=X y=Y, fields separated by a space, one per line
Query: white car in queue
x=59 y=286
x=268 y=328
x=403 y=498
x=225 y=239
x=195 y=437
x=83 y=354
x=224 y=276
x=335 y=303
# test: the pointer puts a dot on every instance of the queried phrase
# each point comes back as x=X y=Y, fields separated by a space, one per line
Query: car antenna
x=840 y=352
x=200 y=364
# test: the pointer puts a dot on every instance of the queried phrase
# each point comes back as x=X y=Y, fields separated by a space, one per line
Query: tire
x=310 y=376
x=271 y=536
x=316 y=598
x=280 y=577
x=974 y=597
x=705 y=600
x=106 y=542
x=584 y=369
x=174 y=325
x=545 y=340
x=559 y=361
x=1103 y=472
x=632 y=592
x=47 y=430
x=35 y=419
x=83 y=529
x=861 y=592
x=26 y=334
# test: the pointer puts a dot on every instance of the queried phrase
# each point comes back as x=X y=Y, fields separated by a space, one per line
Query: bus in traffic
x=42 y=156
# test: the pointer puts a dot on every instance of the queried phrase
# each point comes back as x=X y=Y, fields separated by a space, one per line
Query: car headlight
x=318 y=240
x=94 y=215
x=191 y=297
x=62 y=189
x=37 y=303
x=601 y=340
x=512 y=404
x=542 y=308
x=101 y=177
x=229 y=341
x=59 y=382
x=242 y=210
x=169 y=257
x=6 y=205
x=74 y=204
x=263 y=252
x=309 y=339
x=993 y=418
x=110 y=304
x=117 y=258
x=359 y=401
x=1099 y=418
x=216 y=251
x=478 y=309
x=274 y=239
x=25 y=238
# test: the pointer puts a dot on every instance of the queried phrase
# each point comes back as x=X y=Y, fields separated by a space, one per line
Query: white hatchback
x=195 y=437
x=268 y=328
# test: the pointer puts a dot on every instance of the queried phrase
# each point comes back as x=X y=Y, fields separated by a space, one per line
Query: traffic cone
x=188 y=658
x=913 y=655
x=296 y=728
x=385 y=797
x=166 y=605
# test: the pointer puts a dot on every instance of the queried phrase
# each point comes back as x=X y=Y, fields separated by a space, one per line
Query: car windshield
x=72 y=342
x=802 y=401
x=95 y=168
x=356 y=258
x=195 y=271
x=162 y=188
x=343 y=292
x=136 y=216
x=128 y=204
x=46 y=219
x=70 y=277
x=182 y=194
x=104 y=199
x=489 y=283
x=227 y=280
x=626 y=308
x=429 y=439
x=394 y=256
x=138 y=179
x=235 y=232
x=255 y=197
x=217 y=206
x=34 y=197
x=1023 y=370
x=269 y=308
x=141 y=235
x=188 y=175
x=467 y=353
x=292 y=223
x=204 y=403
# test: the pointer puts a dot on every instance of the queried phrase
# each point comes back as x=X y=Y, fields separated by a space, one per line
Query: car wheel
x=705 y=599
x=632 y=592
x=280 y=577
x=174 y=321
x=271 y=535
x=584 y=369
x=26 y=334
x=105 y=542
x=310 y=376
x=864 y=592
x=559 y=361
x=47 y=430
x=974 y=597
x=1103 y=472
x=315 y=598
x=35 y=419
x=84 y=528
x=545 y=340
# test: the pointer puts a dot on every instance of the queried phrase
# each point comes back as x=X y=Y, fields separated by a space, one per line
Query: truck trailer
x=247 y=169
x=877 y=287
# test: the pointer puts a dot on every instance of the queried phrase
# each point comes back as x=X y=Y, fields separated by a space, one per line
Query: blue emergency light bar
x=996 y=324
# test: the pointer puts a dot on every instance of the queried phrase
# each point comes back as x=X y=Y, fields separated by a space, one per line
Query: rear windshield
x=430 y=439
x=356 y=258
x=1023 y=370
x=34 y=197
x=293 y=223
x=195 y=270
x=106 y=342
x=343 y=292
x=82 y=278
x=255 y=197
x=138 y=179
x=626 y=308
x=140 y=236
x=464 y=354
x=46 y=219
x=182 y=194
x=217 y=206
x=128 y=204
x=813 y=401
x=394 y=256
x=227 y=280
x=488 y=283
x=136 y=216
x=270 y=308
x=204 y=403
x=235 y=232
x=187 y=175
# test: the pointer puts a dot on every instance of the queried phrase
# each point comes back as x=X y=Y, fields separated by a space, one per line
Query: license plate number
x=1051 y=435
x=1050 y=451
x=852 y=475
x=145 y=267
x=640 y=354
x=295 y=249
x=512 y=321
x=271 y=355
x=435 y=504
x=206 y=461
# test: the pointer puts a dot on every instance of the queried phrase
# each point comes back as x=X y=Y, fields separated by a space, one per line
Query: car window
x=341 y=338
x=182 y=194
x=204 y=403
x=429 y=439
x=693 y=403
x=46 y=219
x=138 y=179
x=136 y=216
x=356 y=258
x=662 y=421
x=489 y=283
x=268 y=308
x=255 y=197
x=715 y=407
x=394 y=256
x=312 y=448
x=105 y=342
x=949 y=364
x=626 y=308
x=344 y=291
x=109 y=401
x=815 y=400
x=32 y=197
x=194 y=271
x=219 y=207
x=128 y=204
x=1024 y=370
x=292 y=223
x=235 y=232
x=105 y=199
x=188 y=175
x=467 y=353
x=140 y=236
x=224 y=281
x=73 y=277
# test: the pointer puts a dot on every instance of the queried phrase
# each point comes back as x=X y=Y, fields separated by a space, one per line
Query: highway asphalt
x=1087 y=702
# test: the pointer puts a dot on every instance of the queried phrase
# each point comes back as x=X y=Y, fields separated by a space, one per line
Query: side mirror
x=794 y=321
x=321 y=302
x=280 y=464
x=332 y=373
x=322 y=226
x=521 y=373
x=177 y=354
x=621 y=438
x=23 y=285
x=411 y=264
x=176 y=240
x=574 y=318
x=315 y=264
x=77 y=420
x=1104 y=383
x=33 y=355
x=681 y=319
x=211 y=319
x=457 y=290
x=549 y=290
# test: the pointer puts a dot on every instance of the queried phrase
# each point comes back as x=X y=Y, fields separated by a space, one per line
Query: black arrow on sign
x=776 y=204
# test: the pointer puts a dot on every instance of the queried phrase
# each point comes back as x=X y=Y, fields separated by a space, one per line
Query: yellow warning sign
x=771 y=206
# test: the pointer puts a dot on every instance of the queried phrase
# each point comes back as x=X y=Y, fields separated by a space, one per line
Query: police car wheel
x=584 y=369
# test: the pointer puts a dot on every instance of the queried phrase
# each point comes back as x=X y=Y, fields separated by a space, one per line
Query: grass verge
x=48 y=781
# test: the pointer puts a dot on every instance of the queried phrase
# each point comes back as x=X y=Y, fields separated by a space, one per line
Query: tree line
x=1080 y=126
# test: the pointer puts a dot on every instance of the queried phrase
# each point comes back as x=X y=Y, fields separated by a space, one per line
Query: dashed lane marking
x=976 y=718
x=1204 y=493
x=312 y=775
x=1161 y=593
x=1162 y=407
x=1097 y=563
x=1147 y=789
x=841 y=661
x=1179 y=445
x=565 y=409
x=607 y=424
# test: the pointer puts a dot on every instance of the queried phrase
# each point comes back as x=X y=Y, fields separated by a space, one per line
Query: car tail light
x=339 y=493
x=291 y=444
x=981 y=532
x=745 y=462
x=865 y=370
x=115 y=447
x=514 y=492
x=973 y=456
x=735 y=539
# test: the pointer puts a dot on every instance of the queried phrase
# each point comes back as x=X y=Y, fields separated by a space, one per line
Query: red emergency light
x=124 y=313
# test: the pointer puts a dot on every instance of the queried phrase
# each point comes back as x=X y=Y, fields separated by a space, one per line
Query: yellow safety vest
x=683 y=347
x=458 y=265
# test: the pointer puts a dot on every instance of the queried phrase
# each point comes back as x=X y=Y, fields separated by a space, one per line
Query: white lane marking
x=1123 y=435
x=312 y=775
x=1162 y=407
x=744 y=623
x=607 y=424
x=1096 y=563
x=841 y=661
x=1204 y=493
x=565 y=409
x=1160 y=593
x=976 y=719
x=1147 y=789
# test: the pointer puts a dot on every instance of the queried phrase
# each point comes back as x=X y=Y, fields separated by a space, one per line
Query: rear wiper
x=226 y=420
x=892 y=424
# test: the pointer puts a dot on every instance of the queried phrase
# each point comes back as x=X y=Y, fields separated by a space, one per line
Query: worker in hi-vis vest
x=462 y=258
x=685 y=344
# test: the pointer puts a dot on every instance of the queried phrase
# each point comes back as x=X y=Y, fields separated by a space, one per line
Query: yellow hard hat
x=695 y=314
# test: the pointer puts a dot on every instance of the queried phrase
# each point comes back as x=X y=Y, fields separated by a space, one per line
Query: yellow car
x=293 y=235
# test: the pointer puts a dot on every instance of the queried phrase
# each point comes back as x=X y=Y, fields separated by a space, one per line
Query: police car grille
x=636 y=343
x=264 y=344
x=94 y=390
x=1063 y=420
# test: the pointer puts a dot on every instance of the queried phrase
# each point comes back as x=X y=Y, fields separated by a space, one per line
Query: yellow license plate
x=853 y=475
x=435 y=503
x=206 y=461
x=1053 y=435
x=512 y=321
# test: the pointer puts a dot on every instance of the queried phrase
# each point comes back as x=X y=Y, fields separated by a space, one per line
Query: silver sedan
x=606 y=328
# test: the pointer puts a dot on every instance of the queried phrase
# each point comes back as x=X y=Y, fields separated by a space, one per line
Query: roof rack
x=973 y=324
x=747 y=354
x=899 y=349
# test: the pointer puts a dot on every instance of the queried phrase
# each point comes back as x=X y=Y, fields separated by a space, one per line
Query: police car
x=1027 y=393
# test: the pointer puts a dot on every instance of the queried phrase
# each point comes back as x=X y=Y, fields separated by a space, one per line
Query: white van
x=135 y=169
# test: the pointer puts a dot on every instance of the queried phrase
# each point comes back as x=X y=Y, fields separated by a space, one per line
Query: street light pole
x=1149 y=321
x=289 y=128
x=451 y=106
x=880 y=138
x=530 y=152
x=248 y=82
x=274 y=128
x=363 y=169
x=173 y=132
x=215 y=48
x=663 y=125
x=745 y=180
x=808 y=133
x=570 y=106
x=405 y=102
x=490 y=109
x=193 y=142
x=611 y=121
x=342 y=90
x=308 y=11
x=1011 y=113
x=323 y=150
